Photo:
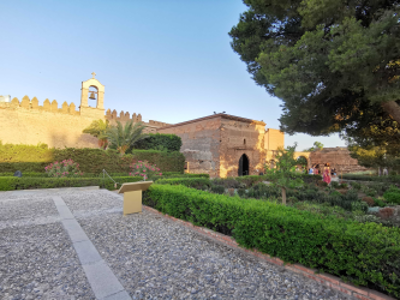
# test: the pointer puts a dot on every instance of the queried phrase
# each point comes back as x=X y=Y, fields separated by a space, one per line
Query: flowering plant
x=144 y=169
x=65 y=168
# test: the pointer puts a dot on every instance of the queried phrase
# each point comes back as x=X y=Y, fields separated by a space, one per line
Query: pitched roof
x=222 y=116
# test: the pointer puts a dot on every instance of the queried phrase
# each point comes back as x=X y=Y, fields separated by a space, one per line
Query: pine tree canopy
x=335 y=64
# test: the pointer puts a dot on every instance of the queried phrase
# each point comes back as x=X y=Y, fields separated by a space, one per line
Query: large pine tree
x=334 y=63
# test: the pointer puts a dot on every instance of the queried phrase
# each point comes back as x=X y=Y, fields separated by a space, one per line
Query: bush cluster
x=65 y=168
x=364 y=254
x=392 y=195
x=160 y=141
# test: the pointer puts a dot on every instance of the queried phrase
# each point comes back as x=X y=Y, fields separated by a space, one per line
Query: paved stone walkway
x=75 y=244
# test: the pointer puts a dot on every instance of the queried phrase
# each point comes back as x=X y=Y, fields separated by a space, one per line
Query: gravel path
x=152 y=257
x=37 y=260
x=155 y=258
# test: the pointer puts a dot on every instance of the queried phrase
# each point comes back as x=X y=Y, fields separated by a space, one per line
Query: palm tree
x=98 y=129
x=122 y=138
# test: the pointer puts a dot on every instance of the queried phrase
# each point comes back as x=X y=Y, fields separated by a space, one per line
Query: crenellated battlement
x=33 y=104
x=28 y=122
x=53 y=107
x=126 y=116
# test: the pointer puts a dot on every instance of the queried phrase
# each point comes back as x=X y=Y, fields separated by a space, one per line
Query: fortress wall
x=29 y=123
x=338 y=158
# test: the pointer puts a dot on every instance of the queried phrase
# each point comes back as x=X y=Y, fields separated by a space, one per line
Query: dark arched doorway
x=243 y=165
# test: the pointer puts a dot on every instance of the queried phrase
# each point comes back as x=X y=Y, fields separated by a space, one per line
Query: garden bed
x=364 y=254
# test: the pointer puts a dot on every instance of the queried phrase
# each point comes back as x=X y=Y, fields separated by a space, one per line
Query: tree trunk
x=393 y=109
x=283 y=196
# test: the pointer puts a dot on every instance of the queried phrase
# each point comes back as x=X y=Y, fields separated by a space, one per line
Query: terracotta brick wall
x=338 y=158
x=238 y=138
x=200 y=144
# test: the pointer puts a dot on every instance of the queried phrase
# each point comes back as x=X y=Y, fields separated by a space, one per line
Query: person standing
x=327 y=176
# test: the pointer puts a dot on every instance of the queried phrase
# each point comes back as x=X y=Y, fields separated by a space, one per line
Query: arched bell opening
x=93 y=96
x=244 y=165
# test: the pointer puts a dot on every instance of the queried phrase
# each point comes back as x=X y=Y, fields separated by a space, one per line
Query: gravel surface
x=90 y=201
x=37 y=260
x=155 y=258
x=152 y=257
x=40 y=263
x=27 y=208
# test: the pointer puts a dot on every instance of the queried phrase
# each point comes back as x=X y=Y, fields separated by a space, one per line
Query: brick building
x=223 y=145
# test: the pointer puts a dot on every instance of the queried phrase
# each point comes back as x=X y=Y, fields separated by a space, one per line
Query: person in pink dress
x=326 y=176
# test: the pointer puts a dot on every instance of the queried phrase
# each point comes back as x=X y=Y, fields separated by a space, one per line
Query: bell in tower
x=92 y=89
x=92 y=95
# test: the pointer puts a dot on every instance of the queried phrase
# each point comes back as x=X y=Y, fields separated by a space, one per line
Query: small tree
x=284 y=174
x=317 y=146
x=122 y=138
x=98 y=129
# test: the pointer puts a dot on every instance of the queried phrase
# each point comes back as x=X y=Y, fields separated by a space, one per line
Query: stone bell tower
x=92 y=90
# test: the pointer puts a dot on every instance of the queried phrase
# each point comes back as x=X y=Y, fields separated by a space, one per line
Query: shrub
x=379 y=202
x=335 y=184
x=359 y=206
x=145 y=170
x=218 y=189
x=241 y=192
x=356 y=185
x=386 y=213
x=229 y=182
x=343 y=186
x=322 y=183
x=364 y=254
x=392 y=195
x=368 y=200
x=156 y=141
x=371 y=193
x=250 y=180
x=65 y=168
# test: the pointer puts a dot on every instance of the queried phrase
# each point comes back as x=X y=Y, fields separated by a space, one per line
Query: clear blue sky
x=170 y=60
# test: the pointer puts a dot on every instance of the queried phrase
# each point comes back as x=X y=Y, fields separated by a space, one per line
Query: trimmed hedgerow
x=189 y=182
x=364 y=254
x=90 y=160
x=16 y=183
x=186 y=175
x=160 y=141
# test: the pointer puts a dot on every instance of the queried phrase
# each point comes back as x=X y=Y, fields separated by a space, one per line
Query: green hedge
x=90 y=160
x=186 y=175
x=364 y=254
x=23 y=183
x=189 y=182
x=155 y=141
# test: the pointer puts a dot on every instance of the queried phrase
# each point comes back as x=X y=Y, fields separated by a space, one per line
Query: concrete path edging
x=102 y=280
